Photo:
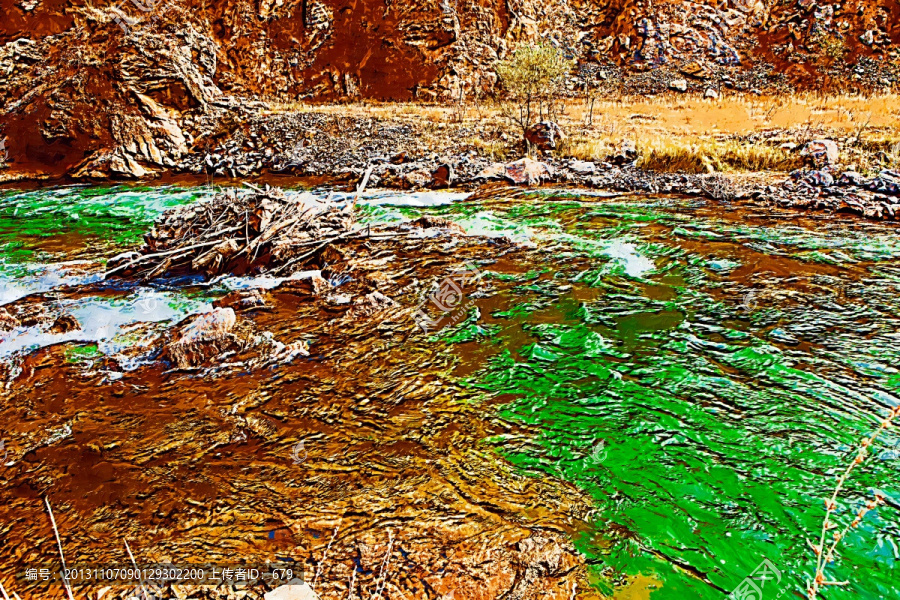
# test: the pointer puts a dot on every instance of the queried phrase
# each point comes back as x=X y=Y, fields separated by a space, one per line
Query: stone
x=820 y=153
x=544 y=135
x=442 y=177
x=680 y=85
x=711 y=94
x=241 y=300
x=7 y=321
x=200 y=338
x=695 y=69
x=65 y=324
x=293 y=590
x=819 y=178
x=868 y=38
x=583 y=167
x=525 y=171
x=851 y=178
x=417 y=179
x=435 y=222
x=626 y=153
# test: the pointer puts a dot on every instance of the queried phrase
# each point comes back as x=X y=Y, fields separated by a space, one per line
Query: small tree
x=533 y=78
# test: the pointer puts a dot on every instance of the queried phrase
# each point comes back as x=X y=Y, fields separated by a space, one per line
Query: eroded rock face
x=92 y=101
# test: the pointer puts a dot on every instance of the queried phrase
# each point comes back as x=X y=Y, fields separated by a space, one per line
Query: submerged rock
x=240 y=300
x=201 y=338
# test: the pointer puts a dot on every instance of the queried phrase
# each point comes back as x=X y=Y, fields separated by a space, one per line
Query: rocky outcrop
x=93 y=101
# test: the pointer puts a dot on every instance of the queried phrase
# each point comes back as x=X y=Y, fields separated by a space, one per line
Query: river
x=671 y=382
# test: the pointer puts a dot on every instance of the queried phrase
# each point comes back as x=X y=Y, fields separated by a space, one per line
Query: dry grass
x=674 y=132
x=709 y=156
x=691 y=155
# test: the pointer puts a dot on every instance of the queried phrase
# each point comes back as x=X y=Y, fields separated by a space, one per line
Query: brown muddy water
x=588 y=428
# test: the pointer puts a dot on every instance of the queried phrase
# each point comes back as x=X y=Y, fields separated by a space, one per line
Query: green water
x=74 y=220
x=707 y=425
x=701 y=376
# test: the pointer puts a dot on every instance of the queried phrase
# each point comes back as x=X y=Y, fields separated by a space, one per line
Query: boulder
x=711 y=93
x=200 y=338
x=695 y=69
x=65 y=324
x=851 y=178
x=525 y=171
x=626 y=153
x=679 y=85
x=7 y=321
x=442 y=177
x=583 y=167
x=544 y=136
x=416 y=179
x=821 y=153
x=820 y=178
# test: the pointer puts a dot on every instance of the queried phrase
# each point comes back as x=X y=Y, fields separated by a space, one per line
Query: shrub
x=533 y=79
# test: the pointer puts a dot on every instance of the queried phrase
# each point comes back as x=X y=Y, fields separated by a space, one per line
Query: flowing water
x=701 y=373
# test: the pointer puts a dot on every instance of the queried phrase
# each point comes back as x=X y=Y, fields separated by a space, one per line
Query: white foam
x=39 y=278
x=635 y=264
x=103 y=321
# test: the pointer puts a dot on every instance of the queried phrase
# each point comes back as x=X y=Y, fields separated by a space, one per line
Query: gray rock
x=821 y=153
x=583 y=167
x=680 y=85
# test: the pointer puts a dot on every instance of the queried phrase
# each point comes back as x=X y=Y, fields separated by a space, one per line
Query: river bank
x=806 y=154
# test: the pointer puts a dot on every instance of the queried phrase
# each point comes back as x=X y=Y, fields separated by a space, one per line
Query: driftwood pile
x=239 y=233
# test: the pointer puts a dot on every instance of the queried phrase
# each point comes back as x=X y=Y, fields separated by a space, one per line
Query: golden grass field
x=734 y=133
